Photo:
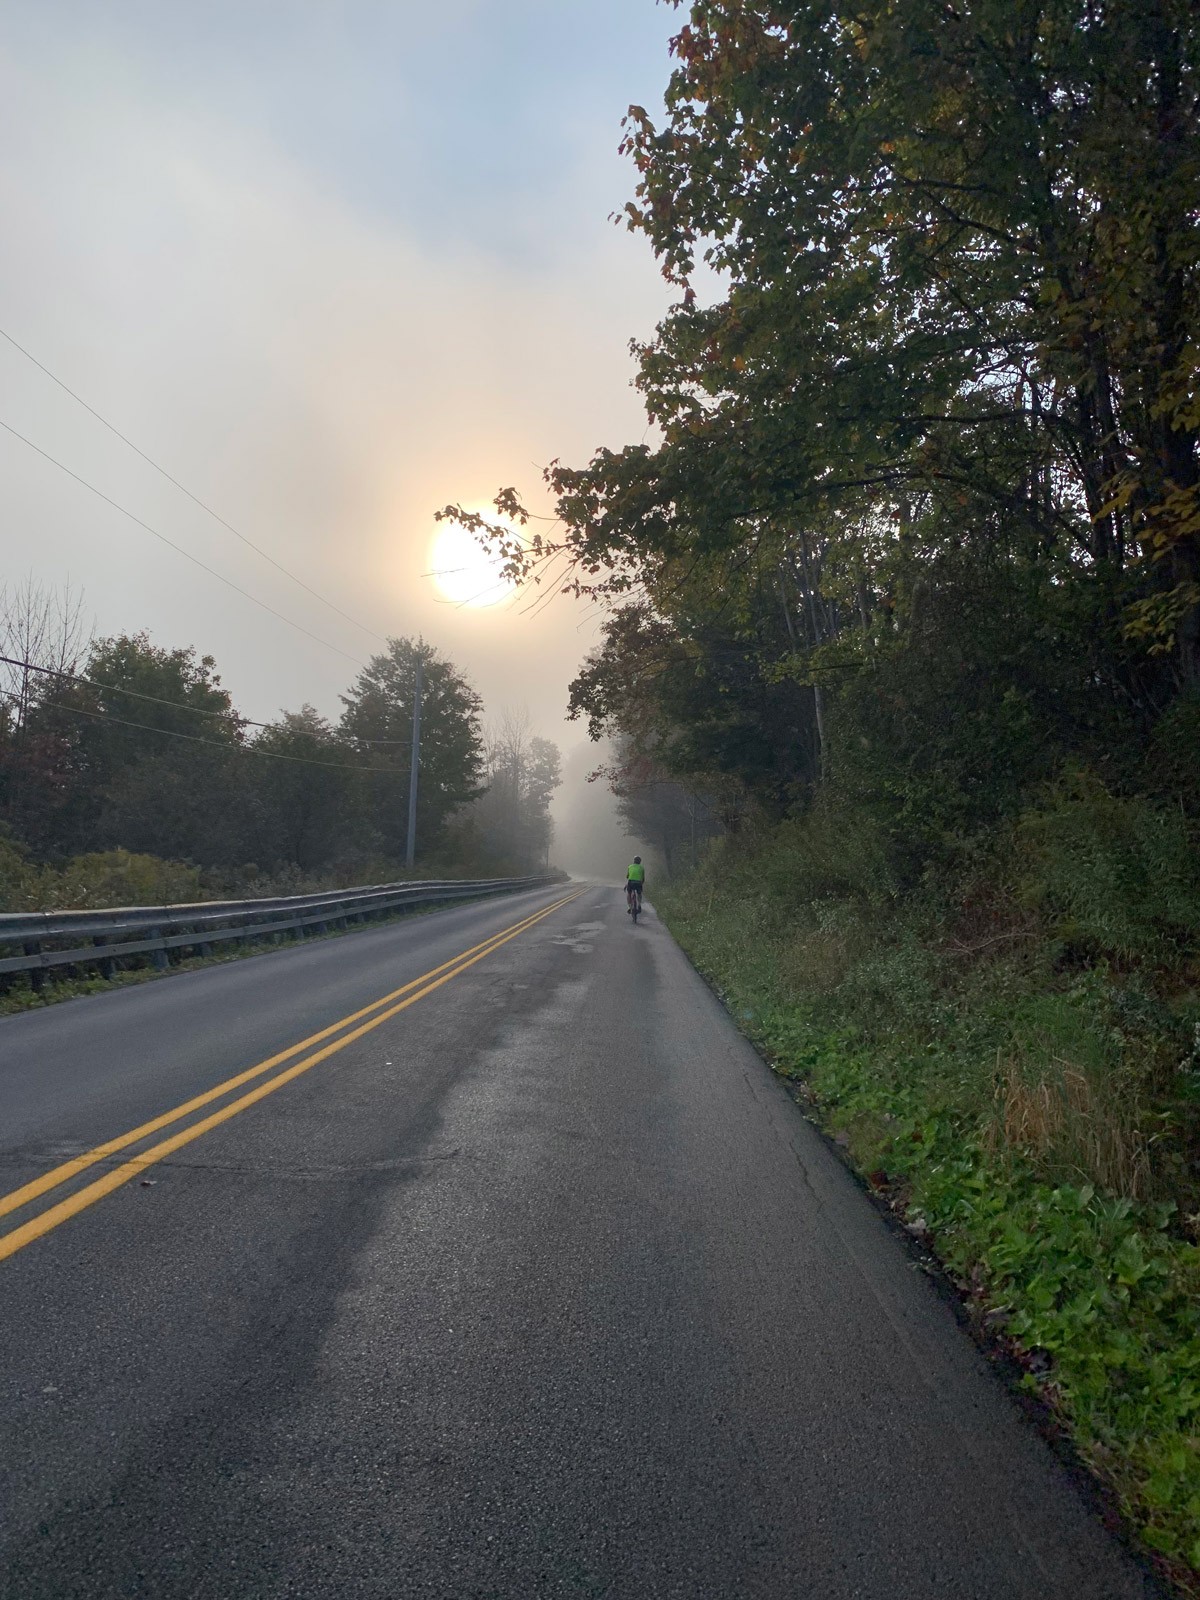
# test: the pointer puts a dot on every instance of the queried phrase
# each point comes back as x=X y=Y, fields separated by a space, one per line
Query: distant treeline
x=119 y=744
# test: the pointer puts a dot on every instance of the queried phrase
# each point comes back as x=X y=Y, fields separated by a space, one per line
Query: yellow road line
x=77 y=1164
x=70 y=1169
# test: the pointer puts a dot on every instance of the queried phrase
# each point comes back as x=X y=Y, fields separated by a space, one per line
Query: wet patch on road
x=579 y=937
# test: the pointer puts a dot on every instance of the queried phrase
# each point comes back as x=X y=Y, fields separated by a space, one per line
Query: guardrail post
x=37 y=975
x=159 y=957
x=108 y=967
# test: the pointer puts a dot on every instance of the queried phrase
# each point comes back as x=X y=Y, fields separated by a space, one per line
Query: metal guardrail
x=154 y=930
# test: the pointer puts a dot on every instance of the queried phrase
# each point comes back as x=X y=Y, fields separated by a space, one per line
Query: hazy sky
x=332 y=266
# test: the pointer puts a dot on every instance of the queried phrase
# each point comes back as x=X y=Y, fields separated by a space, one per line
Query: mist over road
x=477 y=1256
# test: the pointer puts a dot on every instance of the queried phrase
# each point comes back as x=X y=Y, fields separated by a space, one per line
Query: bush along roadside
x=1067 y=1221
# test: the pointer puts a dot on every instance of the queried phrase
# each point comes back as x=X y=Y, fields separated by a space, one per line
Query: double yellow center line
x=368 y=1018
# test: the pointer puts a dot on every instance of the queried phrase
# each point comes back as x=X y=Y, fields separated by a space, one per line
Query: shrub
x=19 y=878
x=828 y=853
x=120 y=878
x=1116 y=877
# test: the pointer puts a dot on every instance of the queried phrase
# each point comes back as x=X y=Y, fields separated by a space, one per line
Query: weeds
x=1073 y=1123
x=1015 y=1059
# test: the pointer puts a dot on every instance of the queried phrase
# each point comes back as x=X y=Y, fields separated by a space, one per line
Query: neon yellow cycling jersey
x=636 y=873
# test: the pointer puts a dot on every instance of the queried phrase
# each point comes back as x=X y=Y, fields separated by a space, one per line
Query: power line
x=220 y=744
x=157 y=700
x=183 y=488
x=178 y=548
x=135 y=694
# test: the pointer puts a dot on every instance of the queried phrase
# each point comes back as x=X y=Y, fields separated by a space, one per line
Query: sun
x=463 y=570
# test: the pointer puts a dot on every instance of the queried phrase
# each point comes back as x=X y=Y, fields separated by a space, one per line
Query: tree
x=923 y=513
x=695 y=694
x=306 y=795
x=138 y=750
x=964 y=279
x=543 y=775
x=951 y=231
x=511 y=818
x=41 y=630
x=672 y=818
x=377 y=722
x=42 y=635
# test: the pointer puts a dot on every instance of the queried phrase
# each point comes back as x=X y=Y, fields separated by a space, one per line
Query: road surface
x=520 y=1277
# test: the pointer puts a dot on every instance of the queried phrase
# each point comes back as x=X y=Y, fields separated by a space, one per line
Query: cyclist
x=635 y=883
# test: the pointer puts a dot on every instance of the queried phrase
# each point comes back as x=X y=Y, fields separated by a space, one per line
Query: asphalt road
x=541 y=1286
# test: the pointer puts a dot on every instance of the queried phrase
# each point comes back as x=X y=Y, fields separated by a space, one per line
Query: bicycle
x=635 y=902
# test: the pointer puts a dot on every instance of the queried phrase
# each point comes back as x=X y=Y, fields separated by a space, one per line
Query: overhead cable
x=157 y=700
x=183 y=489
x=178 y=548
x=220 y=744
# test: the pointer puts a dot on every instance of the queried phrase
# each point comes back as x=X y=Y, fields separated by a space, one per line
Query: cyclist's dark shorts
x=632 y=883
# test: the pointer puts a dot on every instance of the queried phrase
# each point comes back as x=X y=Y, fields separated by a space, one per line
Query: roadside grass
x=1015 y=1069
